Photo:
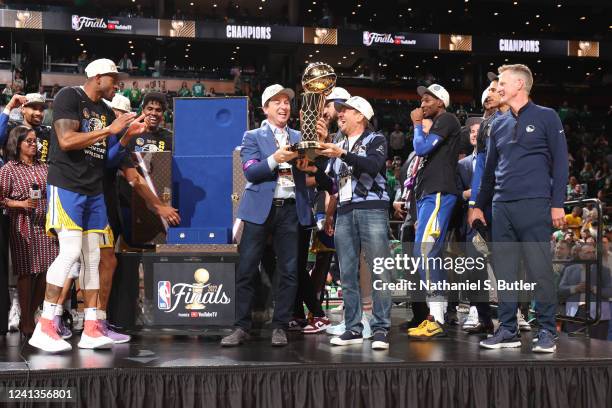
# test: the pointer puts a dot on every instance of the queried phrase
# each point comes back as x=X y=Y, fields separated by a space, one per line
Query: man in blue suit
x=479 y=319
x=274 y=203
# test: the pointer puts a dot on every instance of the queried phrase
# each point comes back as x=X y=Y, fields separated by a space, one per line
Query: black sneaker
x=380 y=340
x=536 y=338
x=481 y=328
x=502 y=339
x=348 y=337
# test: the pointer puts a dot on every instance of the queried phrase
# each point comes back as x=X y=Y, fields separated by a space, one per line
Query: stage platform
x=163 y=369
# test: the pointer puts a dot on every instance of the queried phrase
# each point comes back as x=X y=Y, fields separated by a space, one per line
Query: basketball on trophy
x=319 y=77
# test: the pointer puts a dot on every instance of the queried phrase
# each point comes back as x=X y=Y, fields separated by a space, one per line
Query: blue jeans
x=363 y=230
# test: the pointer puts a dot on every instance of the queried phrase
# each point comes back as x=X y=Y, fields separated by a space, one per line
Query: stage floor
x=578 y=374
x=200 y=348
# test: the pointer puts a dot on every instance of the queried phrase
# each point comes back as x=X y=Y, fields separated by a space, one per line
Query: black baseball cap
x=157 y=97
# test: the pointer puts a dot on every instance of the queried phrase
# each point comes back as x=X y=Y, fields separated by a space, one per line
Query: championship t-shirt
x=80 y=171
x=437 y=169
x=156 y=141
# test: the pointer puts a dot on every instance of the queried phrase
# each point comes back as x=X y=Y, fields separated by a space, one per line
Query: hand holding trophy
x=318 y=81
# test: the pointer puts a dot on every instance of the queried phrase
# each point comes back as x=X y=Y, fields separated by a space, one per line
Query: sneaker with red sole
x=45 y=338
x=92 y=337
x=317 y=325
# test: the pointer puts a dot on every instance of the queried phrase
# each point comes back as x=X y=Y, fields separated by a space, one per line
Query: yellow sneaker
x=428 y=330
x=419 y=327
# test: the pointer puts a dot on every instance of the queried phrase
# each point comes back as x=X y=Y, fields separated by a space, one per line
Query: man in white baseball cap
x=330 y=116
x=436 y=91
x=33 y=107
x=436 y=193
x=274 y=204
x=359 y=104
x=85 y=136
x=273 y=91
x=103 y=66
x=356 y=165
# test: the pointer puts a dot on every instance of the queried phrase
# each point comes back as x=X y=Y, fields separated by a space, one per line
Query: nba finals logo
x=163 y=295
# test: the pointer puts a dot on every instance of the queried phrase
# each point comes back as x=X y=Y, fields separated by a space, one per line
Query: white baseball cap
x=103 y=66
x=338 y=93
x=273 y=90
x=359 y=104
x=121 y=103
x=35 y=99
x=437 y=91
x=484 y=95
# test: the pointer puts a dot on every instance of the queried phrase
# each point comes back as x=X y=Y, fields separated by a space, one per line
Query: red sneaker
x=317 y=325
x=92 y=337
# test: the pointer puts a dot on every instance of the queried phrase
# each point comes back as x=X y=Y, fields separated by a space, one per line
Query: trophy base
x=309 y=149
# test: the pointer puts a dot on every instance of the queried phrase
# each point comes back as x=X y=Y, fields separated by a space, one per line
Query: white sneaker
x=522 y=323
x=337 y=329
x=78 y=318
x=14 y=316
x=45 y=338
x=367 y=330
x=340 y=328
x=92 y=337
x=472 y=319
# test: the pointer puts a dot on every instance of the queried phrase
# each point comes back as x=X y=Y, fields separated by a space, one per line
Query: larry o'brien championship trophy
x=318 y=81
x=201 y=276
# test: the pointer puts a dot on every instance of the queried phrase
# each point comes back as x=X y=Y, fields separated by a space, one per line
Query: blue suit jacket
x=256 y=202
x=464 y=173
x=464 y=182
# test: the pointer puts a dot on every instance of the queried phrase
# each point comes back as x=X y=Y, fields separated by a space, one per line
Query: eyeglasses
x=31 y=142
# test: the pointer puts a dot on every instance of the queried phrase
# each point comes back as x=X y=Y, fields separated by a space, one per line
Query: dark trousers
x=5 y=299
x=282 y=224
x=478 y=298
x=31 y=292
x=306 y=292
x=523 y=227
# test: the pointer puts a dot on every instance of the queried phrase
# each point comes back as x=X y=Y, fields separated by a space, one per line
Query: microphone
x=35 y=193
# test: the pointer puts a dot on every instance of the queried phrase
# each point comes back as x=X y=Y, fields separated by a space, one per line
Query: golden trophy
x=201 y=276
x=318 y=81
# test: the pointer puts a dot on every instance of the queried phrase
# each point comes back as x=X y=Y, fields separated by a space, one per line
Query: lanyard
x=356 y=145
x=285 y=136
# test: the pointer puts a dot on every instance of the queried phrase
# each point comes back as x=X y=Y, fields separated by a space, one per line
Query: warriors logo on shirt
x=94 y=124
